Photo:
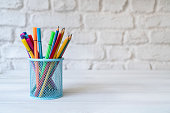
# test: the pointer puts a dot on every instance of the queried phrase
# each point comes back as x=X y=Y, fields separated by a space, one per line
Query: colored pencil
x=57 y=44
x=63 y=47
x=62 y=34
x=60 y=53
x=54 y=40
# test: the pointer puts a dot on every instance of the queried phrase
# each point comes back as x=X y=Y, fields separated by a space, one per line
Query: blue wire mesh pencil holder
x=46 y=78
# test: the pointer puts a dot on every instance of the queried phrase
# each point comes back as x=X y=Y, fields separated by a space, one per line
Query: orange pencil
x=36 y=55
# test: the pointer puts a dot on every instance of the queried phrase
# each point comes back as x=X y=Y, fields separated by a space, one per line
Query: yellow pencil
x=62 y=47
x=62 y=33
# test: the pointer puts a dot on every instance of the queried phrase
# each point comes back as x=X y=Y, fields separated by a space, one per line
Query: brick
x=79 y=65
x=153 y=52
x=135 y=37
x=102 y=66
x=163 y=5
x=62 y=20
x=13 y=51
x=161 y=66
x=153 y=21
x=142 y=6
x=64 y=5
x=119 y=53
x=84 y=52
x=108 y=66
x=138 y=65
x=12 y=18
x=6 y=34
x=89 y=5
x=113 y=5
x=20 y=64
x=108 y=21
x=38 y=5
x=11 y=4
x=110 y=37
x=83 y=37
x=160 y=36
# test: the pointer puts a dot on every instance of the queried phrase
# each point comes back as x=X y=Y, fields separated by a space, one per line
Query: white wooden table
x=91 y=92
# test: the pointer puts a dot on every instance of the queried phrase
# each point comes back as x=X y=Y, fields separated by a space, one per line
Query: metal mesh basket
x=46 y=78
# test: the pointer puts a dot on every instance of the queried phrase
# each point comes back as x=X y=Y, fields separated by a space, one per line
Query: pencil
x=62 y=34
x=54 y=40
x=53 y=66
x=57 y=44
x=63 y=47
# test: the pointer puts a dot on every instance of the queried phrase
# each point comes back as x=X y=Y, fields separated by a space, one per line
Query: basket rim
x=33 y=59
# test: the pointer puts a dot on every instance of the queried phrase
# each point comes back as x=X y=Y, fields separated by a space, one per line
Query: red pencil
x=56 y=44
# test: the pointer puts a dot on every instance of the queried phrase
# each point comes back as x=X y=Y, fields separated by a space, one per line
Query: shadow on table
x=84 y=89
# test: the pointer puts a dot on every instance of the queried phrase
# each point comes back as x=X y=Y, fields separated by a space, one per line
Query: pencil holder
x=46 y=78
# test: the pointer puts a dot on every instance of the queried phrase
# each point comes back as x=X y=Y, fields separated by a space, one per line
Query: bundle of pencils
x=54 y=51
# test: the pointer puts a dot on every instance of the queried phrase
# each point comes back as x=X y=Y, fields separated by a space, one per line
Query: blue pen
x=54 y=40
x=39 y=42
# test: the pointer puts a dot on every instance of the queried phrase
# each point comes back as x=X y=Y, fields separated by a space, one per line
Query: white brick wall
x=107 y=34
x=142 y=6
x=11 y=4
x=113 y=5
x=38 y=5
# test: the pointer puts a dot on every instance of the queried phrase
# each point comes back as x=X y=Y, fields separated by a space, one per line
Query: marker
x=27 y=46
x=45 y=65
x=29 y=42
x=39 y=43
x=36 y=55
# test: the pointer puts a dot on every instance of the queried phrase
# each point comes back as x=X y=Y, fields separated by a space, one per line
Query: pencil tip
x=69 y=37
x=58 y=28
